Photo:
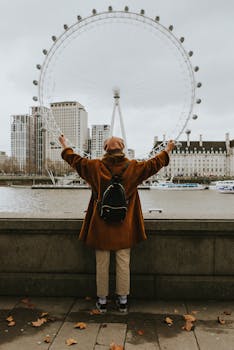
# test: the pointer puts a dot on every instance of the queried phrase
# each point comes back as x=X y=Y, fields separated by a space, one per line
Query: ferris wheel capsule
x=157 y=18
x=44 y=51
x=190 y=53
x=194 y=117
x=38 y=66
x=65 y=26
x=79 y=18
x=171 y=27
x=35 y=82
x=53 y=38
x=199 y=85
x=110 y=8
x=142 y=12
x=94 y=11
x=35 y=98
x=198 y=101
x=182 y=39
x=126 y=9
x=196 y=69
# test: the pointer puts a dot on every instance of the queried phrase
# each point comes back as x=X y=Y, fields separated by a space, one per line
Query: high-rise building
x=99 y=134
x=20 y=139
x=37 y=152
x=72 y=119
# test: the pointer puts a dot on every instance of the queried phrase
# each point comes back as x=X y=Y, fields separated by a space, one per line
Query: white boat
x=226 y=189
x=167 y=185
x=220 y=184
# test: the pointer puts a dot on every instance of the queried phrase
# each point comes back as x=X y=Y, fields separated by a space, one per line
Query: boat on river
x=168 y=185
x=226 y=189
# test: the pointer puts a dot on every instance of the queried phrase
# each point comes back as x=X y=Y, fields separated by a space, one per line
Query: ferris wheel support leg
x=123 y=129
x=112 y=121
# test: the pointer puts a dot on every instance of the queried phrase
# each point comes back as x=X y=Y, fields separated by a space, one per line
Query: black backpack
x=113 y=205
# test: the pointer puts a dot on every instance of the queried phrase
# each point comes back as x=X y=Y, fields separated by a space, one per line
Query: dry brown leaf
x=221 y=320
x=71 y=341
x=188 y=326
x=95 y=312
x=44 y=314
x=190 y=318
x=176 y=311
x=28 y=303
x=39 y=322
x=11 y=324
x=169 y=321
x=9 y=319
x=140 y=332
x=227 y=312
x=114 y=346
x=47 y=339
x=80 y=325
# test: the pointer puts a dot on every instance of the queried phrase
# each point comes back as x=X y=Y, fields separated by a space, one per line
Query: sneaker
x=101 y=307
x=122 y=307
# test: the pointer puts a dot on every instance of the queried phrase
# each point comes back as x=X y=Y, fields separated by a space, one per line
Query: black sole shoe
x=122 y=307
x=101 y=307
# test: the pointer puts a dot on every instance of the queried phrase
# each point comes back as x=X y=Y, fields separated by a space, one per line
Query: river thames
x=72 y=203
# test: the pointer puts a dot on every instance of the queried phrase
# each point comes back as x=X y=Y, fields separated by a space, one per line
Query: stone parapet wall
x=182 y=259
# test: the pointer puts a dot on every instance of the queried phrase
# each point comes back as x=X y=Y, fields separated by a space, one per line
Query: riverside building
x=100 y=132
x=201 y=158
x=20 y=139
x=72 y=118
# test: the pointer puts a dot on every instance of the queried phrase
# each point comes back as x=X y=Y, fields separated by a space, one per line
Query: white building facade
x=202 y=159
x=99 y=134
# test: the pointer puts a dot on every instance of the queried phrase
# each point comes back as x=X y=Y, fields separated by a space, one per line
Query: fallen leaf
x=189 y=319
x=227 y=312
x=168 y=321
x=80 y=325
x=95 y=312
x=28 y=303
x=71 y=341
x=114 y=346
x=140 y=332
x=104 y=325
x=9 y=319
x=88 y=298
x=221 y=320
x=11 y=324
x=39 y=322
x=43 y=314
x=176 y=311
x=47 y=339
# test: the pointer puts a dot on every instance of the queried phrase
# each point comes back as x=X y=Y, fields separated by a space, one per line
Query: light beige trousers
x=122 y=263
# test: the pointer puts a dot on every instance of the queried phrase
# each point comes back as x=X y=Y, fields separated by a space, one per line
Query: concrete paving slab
x=86 y=338
x=101 y=347
x=157 y=307
x=8 y=303
x=209 y=311
x=215 y=339
x=112 y=333
x=23 y=335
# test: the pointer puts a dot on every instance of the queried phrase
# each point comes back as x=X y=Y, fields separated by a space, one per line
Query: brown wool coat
x=97 y=233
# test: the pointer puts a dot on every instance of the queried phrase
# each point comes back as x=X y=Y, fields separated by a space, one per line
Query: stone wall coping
x=153 y=226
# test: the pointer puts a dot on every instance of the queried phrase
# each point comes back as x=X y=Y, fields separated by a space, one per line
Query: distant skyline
x=26 y=27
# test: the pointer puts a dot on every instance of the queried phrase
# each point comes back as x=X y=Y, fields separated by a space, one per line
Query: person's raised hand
x=170 y=145
x=62 y=141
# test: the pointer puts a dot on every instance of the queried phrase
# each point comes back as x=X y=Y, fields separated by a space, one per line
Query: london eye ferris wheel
x=136 y=53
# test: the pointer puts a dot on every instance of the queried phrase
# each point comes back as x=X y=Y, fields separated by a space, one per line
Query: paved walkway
x=143 y=328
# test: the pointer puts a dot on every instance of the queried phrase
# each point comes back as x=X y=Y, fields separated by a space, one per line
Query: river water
x=71 y=203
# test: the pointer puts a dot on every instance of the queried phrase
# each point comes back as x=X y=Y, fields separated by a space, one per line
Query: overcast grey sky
x=26 y=27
